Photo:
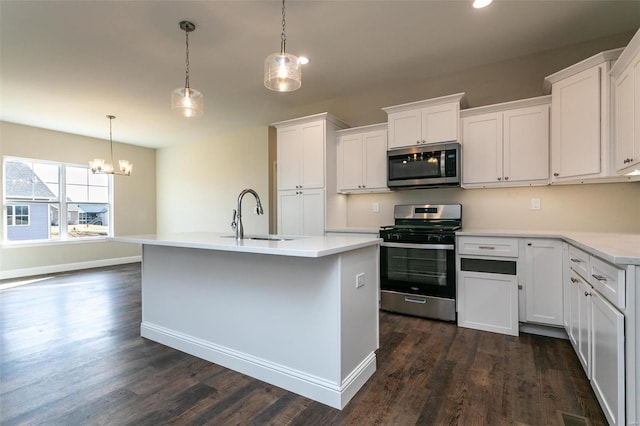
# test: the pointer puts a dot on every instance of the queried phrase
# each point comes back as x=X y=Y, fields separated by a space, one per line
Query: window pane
x=34 y=221
x=82 y=185
x=33 y=181
x=77 y=193
x=87 y=220
x=98 y=180
x=77 y=175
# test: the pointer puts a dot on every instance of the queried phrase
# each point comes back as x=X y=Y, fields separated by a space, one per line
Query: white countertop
x=621 y=249
x=297 y=247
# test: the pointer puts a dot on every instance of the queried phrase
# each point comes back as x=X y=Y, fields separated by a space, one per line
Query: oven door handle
x=419 y=246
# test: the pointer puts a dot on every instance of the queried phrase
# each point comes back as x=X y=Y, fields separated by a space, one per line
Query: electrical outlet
x=535 y=204
x=376 y=207
x=360 y=280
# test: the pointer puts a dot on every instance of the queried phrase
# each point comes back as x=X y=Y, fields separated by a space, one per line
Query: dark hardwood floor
x=72 y=355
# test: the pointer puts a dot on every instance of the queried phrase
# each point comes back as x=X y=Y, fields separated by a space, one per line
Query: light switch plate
x=360 y=280
x=535 y=204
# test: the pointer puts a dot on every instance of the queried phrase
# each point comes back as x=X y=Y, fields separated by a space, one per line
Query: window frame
x=61 y=203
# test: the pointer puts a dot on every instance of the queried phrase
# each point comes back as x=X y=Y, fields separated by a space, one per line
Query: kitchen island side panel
x=275 y=318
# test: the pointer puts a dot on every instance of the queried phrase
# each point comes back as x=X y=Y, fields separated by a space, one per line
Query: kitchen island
x=299 y=313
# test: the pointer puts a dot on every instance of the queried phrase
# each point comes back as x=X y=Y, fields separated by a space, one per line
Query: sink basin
x=263 y=237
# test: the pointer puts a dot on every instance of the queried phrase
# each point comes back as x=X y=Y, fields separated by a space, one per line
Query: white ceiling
x=67 y=64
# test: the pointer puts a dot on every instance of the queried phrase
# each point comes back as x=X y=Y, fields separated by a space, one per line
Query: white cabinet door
x=583 y=295
x=289 y=154
x=575 y=125
x=488 y=302
x=289 y=217
x=526 y=144
x=608 y=359
x=405 y=128
x=375 y=160
x=627 y=116
x=312 y=208
x=482 y=146
x=313 y=137
x=543 y=281
x=350 y=162
x=440 y=123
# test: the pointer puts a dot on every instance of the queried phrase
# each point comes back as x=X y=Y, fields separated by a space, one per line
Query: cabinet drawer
x=501 y=247
x=609 y=281
x=579 y=262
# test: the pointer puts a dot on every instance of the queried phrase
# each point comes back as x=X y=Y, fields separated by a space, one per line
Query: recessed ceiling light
x=478 y=4
x=303 y=60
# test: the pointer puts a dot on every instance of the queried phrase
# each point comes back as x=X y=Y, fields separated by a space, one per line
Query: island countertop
x=298 y=246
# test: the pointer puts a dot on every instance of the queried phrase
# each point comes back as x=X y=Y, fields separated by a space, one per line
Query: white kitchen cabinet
x=607 y=371
x=543 y=281
x=306 y=167
x=488 y=284
x=423 y=122
x=580 y=320
x=625 y=75
x=506 y=144
x=580 y=142
x=362 y=159
x=301 y=160
x=301 y=212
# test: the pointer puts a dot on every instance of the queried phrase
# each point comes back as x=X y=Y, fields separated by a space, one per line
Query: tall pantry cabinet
x=308 y=201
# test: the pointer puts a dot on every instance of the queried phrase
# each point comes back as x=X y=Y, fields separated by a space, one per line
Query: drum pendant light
x=282 y=71
x=187 y=101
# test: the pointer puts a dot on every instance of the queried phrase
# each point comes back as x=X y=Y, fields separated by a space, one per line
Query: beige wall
x=199 y=182
x=134 y=197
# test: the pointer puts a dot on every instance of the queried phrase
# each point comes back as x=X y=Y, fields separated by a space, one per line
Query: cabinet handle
x=574 y=260
x=575 y=280
x=599 y=277
x=520 y=286
x=415 y=299
x=556 y=174
x=486 y=248
x=586 y=293
x=529 y=244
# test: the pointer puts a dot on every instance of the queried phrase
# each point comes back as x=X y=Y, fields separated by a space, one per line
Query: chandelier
x=98 y=165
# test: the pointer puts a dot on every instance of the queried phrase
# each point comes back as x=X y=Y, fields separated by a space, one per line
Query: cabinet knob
x=418 y=142
x=586 y=293
x=529 y=244
x=499 y=178
x=506 y=178
x=574 y=280
x=556 y=174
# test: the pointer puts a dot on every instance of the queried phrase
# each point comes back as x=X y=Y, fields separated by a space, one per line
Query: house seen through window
x=48 y=201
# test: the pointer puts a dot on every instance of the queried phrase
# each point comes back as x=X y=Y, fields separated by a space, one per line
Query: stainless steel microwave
x=424 y=166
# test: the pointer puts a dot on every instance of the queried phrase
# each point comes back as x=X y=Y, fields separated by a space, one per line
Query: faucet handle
x=234 y=225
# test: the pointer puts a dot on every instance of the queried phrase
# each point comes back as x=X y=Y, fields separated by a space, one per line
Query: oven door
x=423 y=269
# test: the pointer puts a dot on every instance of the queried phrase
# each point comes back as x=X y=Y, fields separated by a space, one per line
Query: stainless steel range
x=417 y=261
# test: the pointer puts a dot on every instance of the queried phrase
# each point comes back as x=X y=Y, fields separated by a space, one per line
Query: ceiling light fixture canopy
x=98 y=165
x=282 y=71
x=187 y=101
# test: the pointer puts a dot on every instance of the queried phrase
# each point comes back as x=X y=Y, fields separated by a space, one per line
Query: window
x=37 y=194
x=17 y=215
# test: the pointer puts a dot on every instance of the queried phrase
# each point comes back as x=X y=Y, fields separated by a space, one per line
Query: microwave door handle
x=442 y=164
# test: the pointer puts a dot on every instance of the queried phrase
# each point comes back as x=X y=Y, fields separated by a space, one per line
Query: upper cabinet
x=362 y=155
x=506 y=144
x=625 y=75
x=422 y=122
x=580 y=145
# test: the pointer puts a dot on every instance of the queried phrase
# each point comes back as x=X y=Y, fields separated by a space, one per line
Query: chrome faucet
x=236 y=224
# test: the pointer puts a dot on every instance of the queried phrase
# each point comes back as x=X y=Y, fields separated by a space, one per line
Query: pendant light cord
x=186 y=79
x=283 y=36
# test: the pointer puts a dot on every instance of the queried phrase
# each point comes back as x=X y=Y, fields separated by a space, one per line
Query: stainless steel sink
x=263 y=237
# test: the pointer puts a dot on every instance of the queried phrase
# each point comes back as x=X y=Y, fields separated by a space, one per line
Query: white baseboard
x=543 y=330
x=335 y=395
x=63 y=267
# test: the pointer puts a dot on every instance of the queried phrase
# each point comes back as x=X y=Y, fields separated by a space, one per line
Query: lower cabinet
x=597 y=332
x=488 y=302
x=301 y=212
x=543 y=281
x=607 y=368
